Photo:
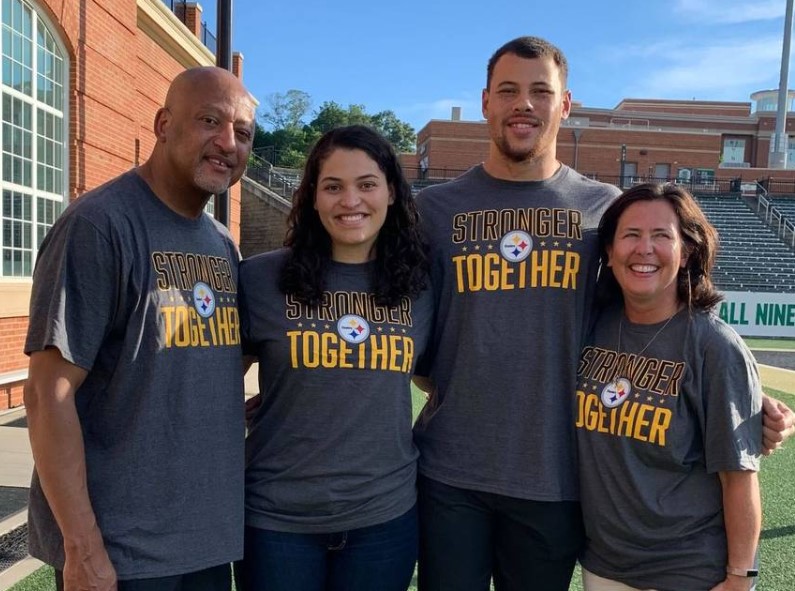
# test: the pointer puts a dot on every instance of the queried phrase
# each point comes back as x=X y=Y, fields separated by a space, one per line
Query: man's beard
x=211 y=185
x=516 y=155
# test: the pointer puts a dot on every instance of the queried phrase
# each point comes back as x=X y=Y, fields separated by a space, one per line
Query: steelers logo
x=616 y=392
x=353 y=329
x=203 y=299
x=516 y=246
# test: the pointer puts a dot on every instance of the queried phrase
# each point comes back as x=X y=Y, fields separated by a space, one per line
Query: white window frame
x=39 y=19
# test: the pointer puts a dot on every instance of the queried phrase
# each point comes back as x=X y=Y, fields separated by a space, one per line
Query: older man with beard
x=135 y=397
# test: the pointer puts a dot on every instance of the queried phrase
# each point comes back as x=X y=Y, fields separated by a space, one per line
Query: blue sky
x=420 y=58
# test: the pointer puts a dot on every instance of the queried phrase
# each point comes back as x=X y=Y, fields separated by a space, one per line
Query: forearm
x=742 y=514
x=57 y=444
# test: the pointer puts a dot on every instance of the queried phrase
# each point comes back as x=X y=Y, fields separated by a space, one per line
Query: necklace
x=617 y=391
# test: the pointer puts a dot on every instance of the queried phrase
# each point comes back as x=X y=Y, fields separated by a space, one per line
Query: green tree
x=331 y=115
x=290 y=140
x=286 y=110
x=400 y=134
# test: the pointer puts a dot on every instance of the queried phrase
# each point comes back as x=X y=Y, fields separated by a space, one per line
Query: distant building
x=699 y=141
x=81 y=82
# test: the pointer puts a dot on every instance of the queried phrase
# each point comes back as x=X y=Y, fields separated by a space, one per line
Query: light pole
x=577 y=134
x=623 y=166
x=223 y=59
x=778 y=153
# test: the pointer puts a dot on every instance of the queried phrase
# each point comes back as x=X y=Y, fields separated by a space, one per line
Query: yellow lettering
x=167 y=313
x=311 y=349
x=659 y=425
x=641 y=422
x=293 y=336
x=378 y=351
x=394 y=352
x=329 y=353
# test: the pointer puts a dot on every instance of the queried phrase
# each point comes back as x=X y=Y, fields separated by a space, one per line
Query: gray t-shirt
x=654 y=429
x=145 y=300
x=513 y=267
x=330 y=447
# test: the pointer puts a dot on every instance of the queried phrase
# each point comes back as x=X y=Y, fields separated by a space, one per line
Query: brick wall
x=118 y=78
x=458 y=145
x=265 y=223
x=12 y=337
x=12 y=359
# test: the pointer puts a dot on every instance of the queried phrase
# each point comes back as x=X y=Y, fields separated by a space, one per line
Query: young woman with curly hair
x=337 y=320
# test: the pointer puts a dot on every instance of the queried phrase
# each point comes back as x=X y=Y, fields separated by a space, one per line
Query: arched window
x=33 y=116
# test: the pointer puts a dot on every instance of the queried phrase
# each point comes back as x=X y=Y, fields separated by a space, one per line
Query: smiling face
x=524 y=105
x=645 y=256
x=352 y=199
x=206 y=131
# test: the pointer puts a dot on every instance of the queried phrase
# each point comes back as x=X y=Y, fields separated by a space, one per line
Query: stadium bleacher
x=751 y=257
x=785 y=205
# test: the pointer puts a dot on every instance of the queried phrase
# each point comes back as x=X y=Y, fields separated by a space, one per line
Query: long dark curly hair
x=401 y=267
x=694 y=285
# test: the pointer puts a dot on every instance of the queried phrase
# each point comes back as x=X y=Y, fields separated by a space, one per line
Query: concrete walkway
x=17 y=466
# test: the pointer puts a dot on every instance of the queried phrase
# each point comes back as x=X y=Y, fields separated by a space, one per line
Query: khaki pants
x=592 y=582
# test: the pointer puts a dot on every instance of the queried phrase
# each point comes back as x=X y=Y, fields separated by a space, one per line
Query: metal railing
x=265 y=173
x=206 y=37
x=776 y=219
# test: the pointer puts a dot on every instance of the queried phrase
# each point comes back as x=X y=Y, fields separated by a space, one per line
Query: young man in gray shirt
x=135 y=398
x=514 y=257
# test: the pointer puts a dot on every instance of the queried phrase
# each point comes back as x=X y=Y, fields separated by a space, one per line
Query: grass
x=777 y=545
x=41 y=580
x=772 y=344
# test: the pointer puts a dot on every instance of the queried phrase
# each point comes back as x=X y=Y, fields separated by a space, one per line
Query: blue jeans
x=376 y=557
x=467 y=537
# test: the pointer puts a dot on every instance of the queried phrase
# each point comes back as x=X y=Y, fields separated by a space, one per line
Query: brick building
x=706 y=141
x=81 y=82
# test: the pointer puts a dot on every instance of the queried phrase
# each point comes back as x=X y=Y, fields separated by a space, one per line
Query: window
x=733 y=151
x=629 y=172
x=33 y=120
x=790 y=153
x=661 y=172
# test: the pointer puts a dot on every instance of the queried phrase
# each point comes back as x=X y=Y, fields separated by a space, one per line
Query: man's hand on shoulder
x=778 y=424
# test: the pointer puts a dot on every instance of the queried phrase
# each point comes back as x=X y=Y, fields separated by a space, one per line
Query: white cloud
x=730 y=11
x=727 y=70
